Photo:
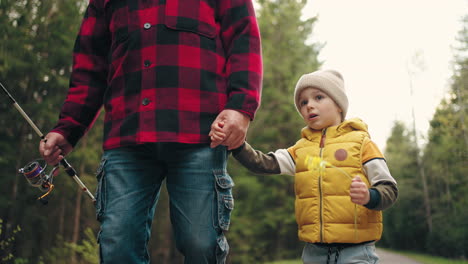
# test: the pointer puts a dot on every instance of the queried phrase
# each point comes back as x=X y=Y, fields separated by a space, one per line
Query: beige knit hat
x=329 y=81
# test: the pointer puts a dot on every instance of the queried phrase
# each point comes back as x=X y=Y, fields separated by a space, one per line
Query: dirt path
x=387 y=257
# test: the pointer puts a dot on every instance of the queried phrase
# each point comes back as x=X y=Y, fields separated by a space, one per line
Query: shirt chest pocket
x=117 y=14
x=191 y=15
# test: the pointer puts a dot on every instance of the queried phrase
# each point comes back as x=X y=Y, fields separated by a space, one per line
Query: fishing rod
x=35 y=173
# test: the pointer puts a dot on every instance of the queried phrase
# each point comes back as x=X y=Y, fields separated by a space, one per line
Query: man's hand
x=359 y=192
x=235 y=126
x=54 y=148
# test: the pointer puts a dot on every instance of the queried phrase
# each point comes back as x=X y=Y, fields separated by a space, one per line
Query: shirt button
x=147 y=25
x=147 y=63
x=145 y=101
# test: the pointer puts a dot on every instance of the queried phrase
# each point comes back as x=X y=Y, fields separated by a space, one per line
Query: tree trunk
x=9 y=222
x=76 y=224
x=422 y=174
x=76 y=221
x=462 y=112
x=448 y=193
x=61 y=217
x=427 y=201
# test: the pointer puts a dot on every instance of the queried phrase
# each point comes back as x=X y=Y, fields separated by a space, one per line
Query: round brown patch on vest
x=341 y=154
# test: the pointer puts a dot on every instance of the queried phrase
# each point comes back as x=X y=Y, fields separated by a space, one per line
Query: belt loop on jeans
x=221 y=157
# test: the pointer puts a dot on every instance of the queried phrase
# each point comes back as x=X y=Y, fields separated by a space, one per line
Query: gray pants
x=361 y=253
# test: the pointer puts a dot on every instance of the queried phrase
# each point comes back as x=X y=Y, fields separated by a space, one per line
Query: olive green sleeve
x=383 y=190
x=278 y=162
x=388 y=193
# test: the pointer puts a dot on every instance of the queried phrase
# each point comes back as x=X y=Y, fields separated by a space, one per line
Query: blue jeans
x=200 y=195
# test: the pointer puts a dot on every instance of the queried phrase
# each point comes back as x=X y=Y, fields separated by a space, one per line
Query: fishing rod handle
x=71 y=172
x=68 y=168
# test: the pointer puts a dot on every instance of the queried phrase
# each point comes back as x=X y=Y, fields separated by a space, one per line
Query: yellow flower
x=316 y=164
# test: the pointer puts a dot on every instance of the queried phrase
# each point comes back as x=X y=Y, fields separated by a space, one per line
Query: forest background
x=36 y=43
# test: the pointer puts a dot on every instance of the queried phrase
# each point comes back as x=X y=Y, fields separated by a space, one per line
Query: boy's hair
x=330 y=82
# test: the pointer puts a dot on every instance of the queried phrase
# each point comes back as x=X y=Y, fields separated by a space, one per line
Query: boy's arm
x=383 y=191
x=278 y=162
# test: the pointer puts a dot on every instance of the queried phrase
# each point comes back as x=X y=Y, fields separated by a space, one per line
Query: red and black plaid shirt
x=162 y=69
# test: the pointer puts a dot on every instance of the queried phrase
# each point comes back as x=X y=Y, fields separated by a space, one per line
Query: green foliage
x=20 y=261
x=271 y=208
x=286 y=262
x=286 y=56
x=445 y=158
x=35 y=61
x=87 y=251
x=401 y=154
x=6 y=244
x=444 y=163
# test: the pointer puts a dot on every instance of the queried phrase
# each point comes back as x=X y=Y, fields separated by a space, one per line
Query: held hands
x=217 y=135
x=359 y=192
x=229 y=129
x=54 y=148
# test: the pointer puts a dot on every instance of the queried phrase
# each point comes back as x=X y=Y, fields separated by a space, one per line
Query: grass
x=426 y=259
x=286 y=262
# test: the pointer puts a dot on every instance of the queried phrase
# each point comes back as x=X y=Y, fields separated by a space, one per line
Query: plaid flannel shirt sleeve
x=241 y=39
x=89 y=74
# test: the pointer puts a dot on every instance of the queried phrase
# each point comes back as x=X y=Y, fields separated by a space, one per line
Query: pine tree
x=446 y=156
x=404 y=224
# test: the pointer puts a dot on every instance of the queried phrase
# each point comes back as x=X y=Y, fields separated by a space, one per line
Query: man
x=164 y=71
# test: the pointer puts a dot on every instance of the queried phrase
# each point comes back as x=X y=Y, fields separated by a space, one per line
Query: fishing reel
x=34 y=172
x=36 y=175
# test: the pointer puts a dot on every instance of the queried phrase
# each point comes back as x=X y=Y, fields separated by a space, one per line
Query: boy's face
x=318 y=109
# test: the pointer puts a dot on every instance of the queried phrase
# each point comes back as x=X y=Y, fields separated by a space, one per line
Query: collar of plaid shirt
x=162 y=70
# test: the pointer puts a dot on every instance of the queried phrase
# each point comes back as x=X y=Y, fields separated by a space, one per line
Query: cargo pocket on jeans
x=222 y=249
x=224 y=184
x=100 y=190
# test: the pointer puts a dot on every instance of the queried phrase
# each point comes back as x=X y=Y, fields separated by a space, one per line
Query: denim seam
x=101 y=190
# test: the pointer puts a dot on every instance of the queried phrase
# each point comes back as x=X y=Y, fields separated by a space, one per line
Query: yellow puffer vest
x=324 y=211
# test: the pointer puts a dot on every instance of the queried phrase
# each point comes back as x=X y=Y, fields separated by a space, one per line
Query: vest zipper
x=322 y=146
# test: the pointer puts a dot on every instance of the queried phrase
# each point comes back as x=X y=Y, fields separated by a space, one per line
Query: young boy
x=342 y=182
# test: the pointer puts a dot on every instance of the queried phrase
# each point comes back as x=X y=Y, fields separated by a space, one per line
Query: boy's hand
x=216 y=134
x=235 y=128
x=359 y=192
